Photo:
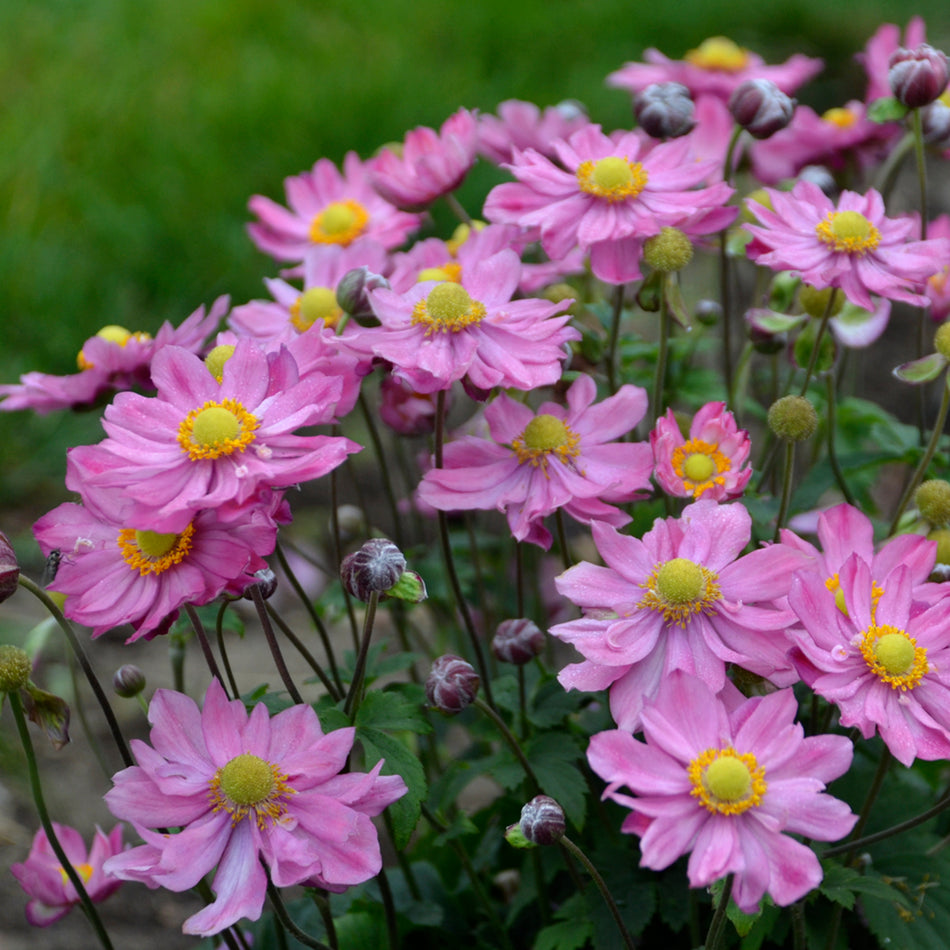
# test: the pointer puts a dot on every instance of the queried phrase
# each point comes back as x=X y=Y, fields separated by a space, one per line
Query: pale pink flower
x=727 y=780
x=851 y=245
x=715 y=67
x=601 y=197
x=882 y=658
x=51 y=893
x=520 y=125
x=428 y=165
x=680 y=598
x=245 y=788
x=327 y=208
x=708 y=464
x=557 y=458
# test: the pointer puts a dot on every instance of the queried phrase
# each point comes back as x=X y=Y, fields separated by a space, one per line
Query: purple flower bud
x=352 y=292
x=542 y=820
x=760 y=107
x=917 y=76
x=376 y=566
x=452 y=684
x=128 y=681
x=9 y=569
x=266 y=580
x=665 y=110
x=517 y=641
x=935 y=124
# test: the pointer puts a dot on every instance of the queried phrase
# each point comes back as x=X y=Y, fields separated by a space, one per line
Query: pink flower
x=429 y=164
x=709 y=464
x=51 y=893
x=937 y=288
x=536 y=463
x=599 y=197
x=727 y=780
x=327 y=208
x=114 y=359
x=243 y=787
x=679 y=599
x=201 y=443
x=520 y=125
x=113 y=572
x=880 y=47
x=879 y=656
x=437 y=333
x=715 y=67
x=852 y=245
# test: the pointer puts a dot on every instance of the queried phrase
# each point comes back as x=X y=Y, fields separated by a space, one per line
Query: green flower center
x=215 y=424
x=894 y=657
x=679 y=581
x=216 y=429
x=247 y=785
x=216 y=359
x=726 y=782
x=613 y=178
x=698 y=467
x=247 y=779
x=728 y=778
x=151 y=552
x=340 y=222
x=849 y=232
x=545 y=432
x=318 y=304
x=719 y=53
x=895 y=653
x=154 y=544
x=448 y=308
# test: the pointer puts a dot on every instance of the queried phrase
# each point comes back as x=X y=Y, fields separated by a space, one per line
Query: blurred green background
x=133 y=133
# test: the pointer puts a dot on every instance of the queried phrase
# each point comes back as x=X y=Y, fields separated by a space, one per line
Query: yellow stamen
x=613 y=178
x=216 y=429
x=448 y=309
x=114 y=334
x=842 y=118
x=848 y=231
x=313 y=305
x=84 y=871
x=700 y=465
x=894 y=657
x=679 y=589
x=248 y=784
x=150 y=552
x=726 y=782
x=543 y=436
x=341 y=222
x=718 y=53
x=452 y=271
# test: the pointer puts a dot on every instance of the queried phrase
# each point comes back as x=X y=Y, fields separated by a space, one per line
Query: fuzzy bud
x=15 y=668
x=942 y=340
x=266 y=580
x=542 y=820
x=517 y=641
x=917 y=76
x=942 y=537
x=353 y=290
x=9 y=569
x=760 y=107
x=935 y=124
x=933 y=501
x=670 y=250
x=376 y=566
x=128 y=681
x=452 y=684
x=793 y=418
x=664 y=110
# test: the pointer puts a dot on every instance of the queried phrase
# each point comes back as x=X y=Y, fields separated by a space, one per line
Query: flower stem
x=359 y=671
x=512 y=741
x=36 y=787
x=225 y=660
x=832 y=454
x=202 y=637
x=279 y=662
x=562 y=539
x=716 y=926
x=614 y=338
x=662 y=354
x=786 y=488
x=576 y=852
x=869 y=801
x=816 y=346
x=383 y=469
x=305 y=653
x=284 y=917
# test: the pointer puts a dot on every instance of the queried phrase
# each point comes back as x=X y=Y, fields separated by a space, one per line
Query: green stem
x=202 y=637
x=718 y=923
x=662 y=355
x=562 y=539
x=816 y=346
x=323 y=905
x=869 y=801
x=832 y=454
x=725 y=283
x=225 y=660
x=457 y=209
x=887 y=173
x=258 y=599
x=359 y=671
x=300 y=647
x=614 y=339
x=384 y=471
x=36 y=787
x=512 y=741
x=786 y=488
x=284 y=917
x=338 y=552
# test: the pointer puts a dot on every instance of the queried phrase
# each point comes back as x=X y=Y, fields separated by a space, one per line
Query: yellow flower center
x=448 y=309
x=249 y=784
x=318 y=304
x=84 y=871
x=679 y=589
x=726 y=782
x=842 y=118
x=452 y=271
x=341 y=222
x=834 y=585
x=216 y=359
x=151 y=552
x=461 y=234
x=114 y=334
x=700 y=465
x=216 y=429
x=893 y=657
x=718 y=53
x=543 y=436
x=613 y=178
x=848 y=231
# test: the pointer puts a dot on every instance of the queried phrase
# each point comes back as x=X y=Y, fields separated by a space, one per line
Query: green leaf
x=771 y=322
x=886 y=109
x=553 y=757
x=397 y=708
x=552 y=704
x=924 y=370
x=573 y=928
x=399 y=761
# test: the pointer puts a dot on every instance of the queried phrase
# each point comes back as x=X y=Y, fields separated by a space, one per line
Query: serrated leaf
x=573 y=927
x=400 y=760
x=330 y=714
x=924 y=370
x=886 y=109
x=551 y=704
x=397 y=708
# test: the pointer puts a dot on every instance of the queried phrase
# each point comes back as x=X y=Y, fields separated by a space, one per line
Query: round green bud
x=793 y=418
x=942 y=340
x=15 y=668
x=815 y=302
x=942 y=537
x=933 y=501
x=670 y=250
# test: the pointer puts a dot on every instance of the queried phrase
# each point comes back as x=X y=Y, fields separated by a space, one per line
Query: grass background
x=133 y=133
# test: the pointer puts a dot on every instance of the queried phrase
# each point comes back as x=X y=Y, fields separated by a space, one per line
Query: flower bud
x=760 y=107
x=820 y=176
x=542 y=820
x=452 y=684
x=942 y=340
x=351 y=522
x=815 y=302
x=517 y=641
x=933 y=501
x=708 y=312
x=128 y=681
x=935 y=124
x=15 y=668
x=665 y=110
x=793 y=418
x=670 y=250
x=352 y=292
x=376 y=566
x=9 y=569
x=917 y=76
x=942 y=537
x=266 y=580
x=404 y=410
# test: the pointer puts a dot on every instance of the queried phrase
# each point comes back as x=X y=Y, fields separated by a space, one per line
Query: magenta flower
x=709 y=464
x=536 y=463
x=679 y=599
x=327 y=208
x=51 y=893
x=715 y=67
x=727 y=780
x=242 y=787
x=598 y=196
x=201 y=443
x=428 y=165
x=112 y=360
x=852 y=245
x=520 y=125
x=437 y=333
x=881 y=657
x=114 y=573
